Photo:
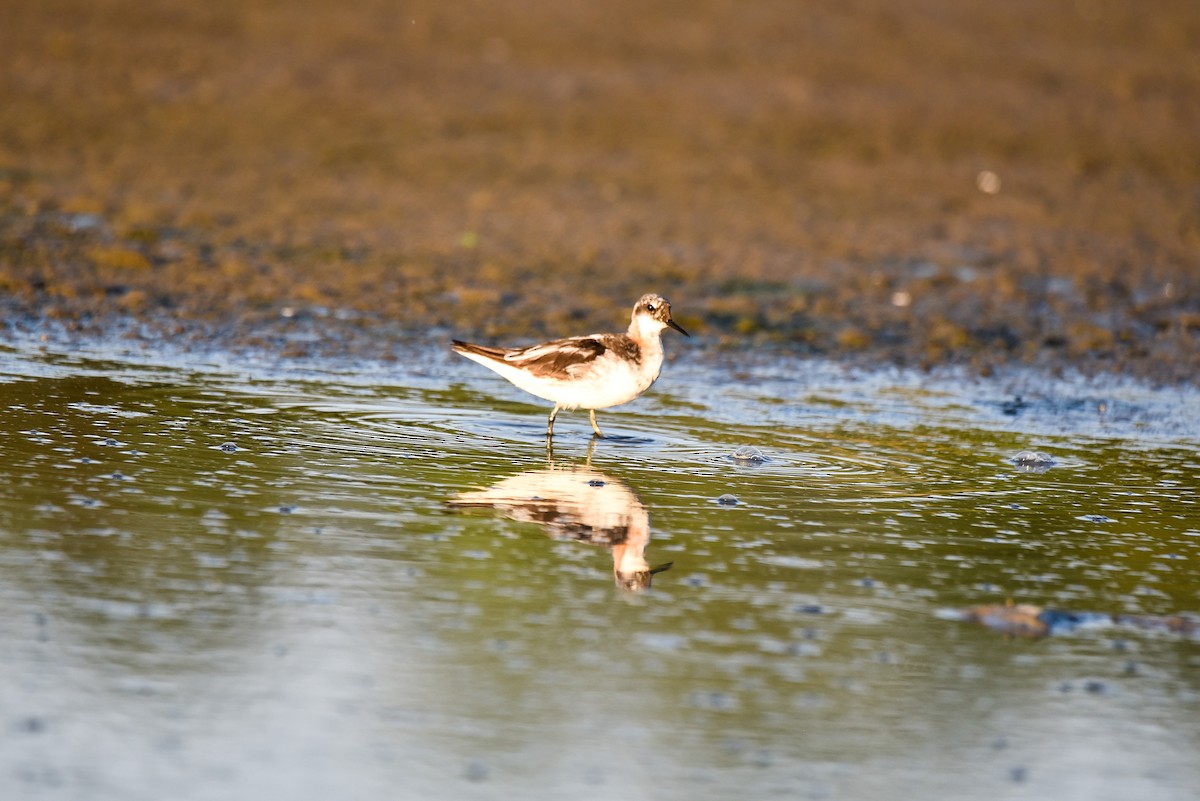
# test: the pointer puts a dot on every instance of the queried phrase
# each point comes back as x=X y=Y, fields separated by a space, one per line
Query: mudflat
x=925 y=183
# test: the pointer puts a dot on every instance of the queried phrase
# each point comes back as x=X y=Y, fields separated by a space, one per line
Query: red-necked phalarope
x=593 y=372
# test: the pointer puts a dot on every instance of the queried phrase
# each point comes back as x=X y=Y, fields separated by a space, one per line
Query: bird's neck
x=649 y=350
x=646 y=335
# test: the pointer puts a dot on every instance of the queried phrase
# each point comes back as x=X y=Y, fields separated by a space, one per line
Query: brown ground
x=785 y=172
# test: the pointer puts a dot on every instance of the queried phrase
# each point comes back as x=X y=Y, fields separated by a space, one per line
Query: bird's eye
x=650 y=307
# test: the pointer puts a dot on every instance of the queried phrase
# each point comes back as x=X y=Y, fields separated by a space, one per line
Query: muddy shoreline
x=957 y=184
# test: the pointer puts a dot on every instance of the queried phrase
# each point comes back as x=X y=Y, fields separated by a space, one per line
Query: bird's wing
x=562 y=358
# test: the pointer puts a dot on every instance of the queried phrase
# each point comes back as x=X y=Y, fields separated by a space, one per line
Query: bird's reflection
x=577 y=503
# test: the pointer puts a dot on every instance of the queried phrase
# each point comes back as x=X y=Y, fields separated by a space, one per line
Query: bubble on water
x=1095 y=518
x=748 y=455
x=728 y=500
x=662 y=641
x=229 y=447
x=1033 y=462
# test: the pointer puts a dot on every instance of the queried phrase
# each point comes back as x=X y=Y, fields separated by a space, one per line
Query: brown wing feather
x=560 y=358
x=557 y=358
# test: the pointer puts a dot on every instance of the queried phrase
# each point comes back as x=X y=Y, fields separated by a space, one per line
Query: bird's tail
x=467 y=349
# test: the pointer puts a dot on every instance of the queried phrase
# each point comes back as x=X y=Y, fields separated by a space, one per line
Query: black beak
x=677 y=327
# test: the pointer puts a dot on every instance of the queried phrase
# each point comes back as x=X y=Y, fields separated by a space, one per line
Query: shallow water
x=228 y=578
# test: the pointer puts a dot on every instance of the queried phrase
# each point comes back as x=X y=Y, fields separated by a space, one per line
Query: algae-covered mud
x=942 y=181
x=229 y=578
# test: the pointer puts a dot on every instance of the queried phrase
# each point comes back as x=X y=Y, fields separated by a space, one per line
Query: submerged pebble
x=748 y=455
x=1033 y=462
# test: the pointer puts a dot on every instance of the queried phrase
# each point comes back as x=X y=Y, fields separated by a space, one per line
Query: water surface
x=227 y=578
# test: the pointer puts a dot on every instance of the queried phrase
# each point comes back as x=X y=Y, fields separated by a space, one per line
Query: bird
x=595 y=371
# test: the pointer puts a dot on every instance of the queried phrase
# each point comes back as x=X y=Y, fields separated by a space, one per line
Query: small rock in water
x=1014 y=406
x=727 y=500
x=229 y=447
x=748 y=455
x=1033 y=462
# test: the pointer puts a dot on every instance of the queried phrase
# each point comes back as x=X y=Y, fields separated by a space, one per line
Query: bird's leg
x=595 y=427
x=550 y=424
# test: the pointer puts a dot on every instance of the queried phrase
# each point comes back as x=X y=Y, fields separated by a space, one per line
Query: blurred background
x=925 y=183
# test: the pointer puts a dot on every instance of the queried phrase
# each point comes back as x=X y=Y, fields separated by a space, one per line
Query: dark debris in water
x=476 y=772
x=1013 y=407
x=1030 y=620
